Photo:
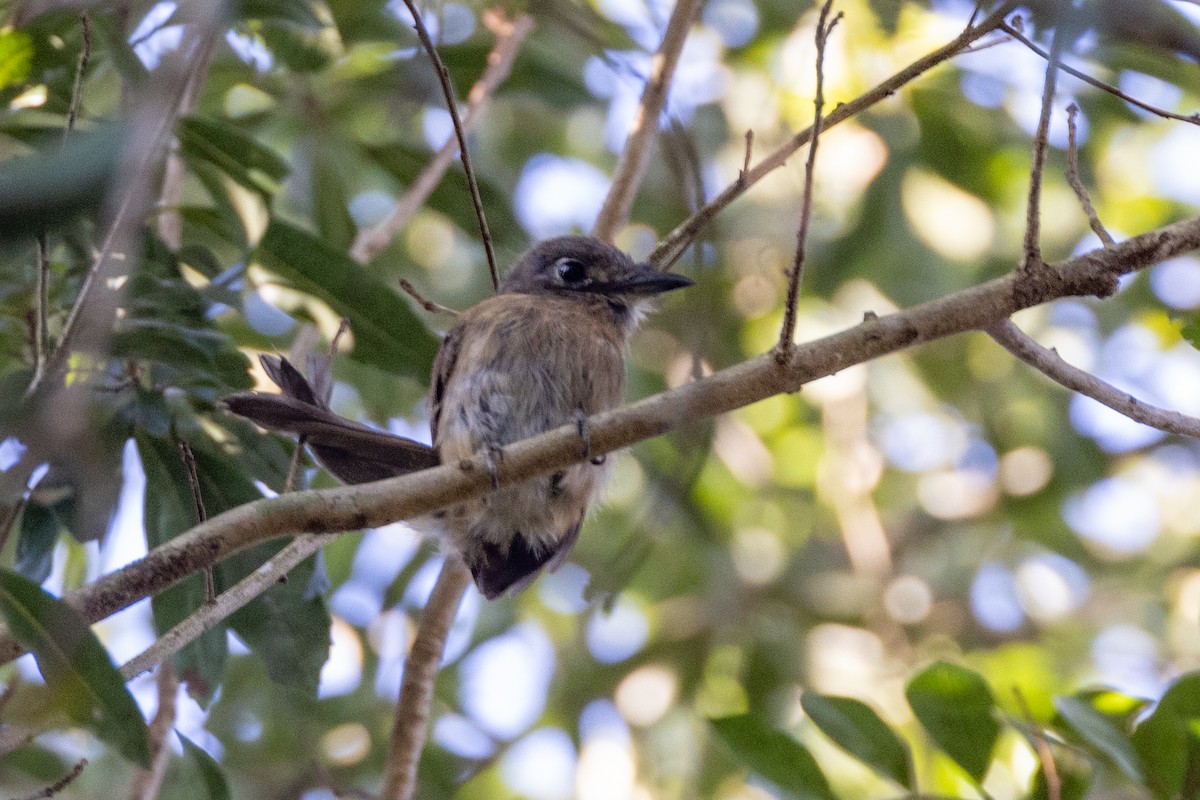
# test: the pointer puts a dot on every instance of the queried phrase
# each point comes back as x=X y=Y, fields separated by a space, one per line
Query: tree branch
x=148 y=782
x=375 y=504
x=1033 y=209
x=1050 y=364
x=668 y=251
x=459 y=134
x=416 y=689
x=635 y=156
x=787 y=330
x=1081 y=192
x=509 y=36
x=1193 y=118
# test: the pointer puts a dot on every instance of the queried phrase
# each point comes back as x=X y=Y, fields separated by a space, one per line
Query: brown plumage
x=548 y=350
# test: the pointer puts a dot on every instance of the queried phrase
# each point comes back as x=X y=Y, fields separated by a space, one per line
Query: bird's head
x=585 y=267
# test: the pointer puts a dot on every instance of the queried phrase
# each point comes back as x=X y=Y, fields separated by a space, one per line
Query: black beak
x=646 y=281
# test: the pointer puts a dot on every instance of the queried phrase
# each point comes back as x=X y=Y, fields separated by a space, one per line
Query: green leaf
x=452 y=195
x=212 y=779
x=35 y=547
x=237 y=154
x=955 y=707
x=1096 y=729
x=1168 y=740
x=774 y=755
x=296 y=11
x=1191 y=331
x=75 y=665
x=16 y=54
x=39 y=191
x=855 y=727
x=387 y=334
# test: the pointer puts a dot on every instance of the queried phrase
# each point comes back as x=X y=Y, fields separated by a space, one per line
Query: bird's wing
x=443 y=368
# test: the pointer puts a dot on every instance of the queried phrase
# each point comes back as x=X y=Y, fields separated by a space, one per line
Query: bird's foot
x=585 y=434
x=494 y=456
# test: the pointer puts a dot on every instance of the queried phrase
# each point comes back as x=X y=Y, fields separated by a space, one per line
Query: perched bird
x=547 y=350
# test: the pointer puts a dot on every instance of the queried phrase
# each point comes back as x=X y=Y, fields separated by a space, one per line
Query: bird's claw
x=494 y=456
x=585 y=433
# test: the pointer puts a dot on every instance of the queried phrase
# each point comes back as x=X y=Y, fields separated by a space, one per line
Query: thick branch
x=1050 y=364
x=416 y=689
x=671 y=248
x=635 y=157
x=375 y=504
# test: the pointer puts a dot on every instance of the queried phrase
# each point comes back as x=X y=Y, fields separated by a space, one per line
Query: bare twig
x=41 y=335
x=170 y=222
x=1050 y=364
x=189 y=466
x=1193 y=118
x=1076 y=182
x=81 y=66
x=41 y=307
x=509 y=36
x=148 y=782
x=423 y=302
x=463 y=151
x=383 y=502
x=61 y=783
x=745 y=170
x=787 y=331
x=416 y=688
x=635 y=157
x=1042 y=746
x=1032 y=257
x=206 y=617
x=672 y=247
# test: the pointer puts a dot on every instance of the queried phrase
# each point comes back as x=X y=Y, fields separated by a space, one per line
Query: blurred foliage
x=917 y=576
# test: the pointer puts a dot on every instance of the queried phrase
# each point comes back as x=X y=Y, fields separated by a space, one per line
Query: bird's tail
x=353 y=453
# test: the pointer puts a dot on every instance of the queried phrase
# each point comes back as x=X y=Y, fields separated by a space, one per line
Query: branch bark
x=672 y=247
x=1051 y=364
x=635 y=156
x=416 y=689
x=383 y=502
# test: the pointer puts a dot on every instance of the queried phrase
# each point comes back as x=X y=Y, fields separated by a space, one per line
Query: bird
x=547 y=350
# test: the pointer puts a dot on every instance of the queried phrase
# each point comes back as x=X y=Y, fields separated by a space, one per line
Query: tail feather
x=353 y=453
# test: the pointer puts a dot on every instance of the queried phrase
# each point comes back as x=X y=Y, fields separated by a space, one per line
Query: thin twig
x=41 y=335
x=1042 y=746
x=61 y=783
x=170 y=195
x=635 y=157
x=189 y=466
x=41 y=307
x=416 y=687
x=423 y=302
x=745 y=170
x=1050 y=364
x=148 y=782
x=81 y=66
x=463 y=151
x=1193 y=118
x=1032 y=257
x=1076 y=182
x=668 y=251
x=787 y=331
x=509 y=36
x=206 y=617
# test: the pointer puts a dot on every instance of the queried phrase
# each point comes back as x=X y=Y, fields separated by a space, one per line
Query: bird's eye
x=571 y=270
